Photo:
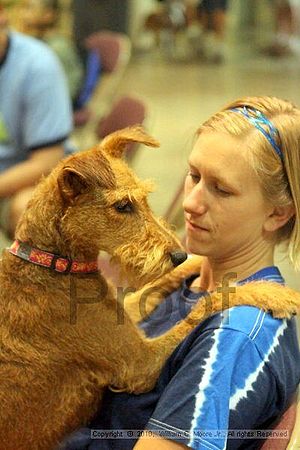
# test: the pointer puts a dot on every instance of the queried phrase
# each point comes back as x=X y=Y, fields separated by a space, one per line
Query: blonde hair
x=280 y=181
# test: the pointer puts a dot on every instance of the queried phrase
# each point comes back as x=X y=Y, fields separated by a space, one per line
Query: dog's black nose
x=178 y=257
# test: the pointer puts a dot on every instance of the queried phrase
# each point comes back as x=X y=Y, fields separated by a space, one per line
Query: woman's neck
x=215 y=273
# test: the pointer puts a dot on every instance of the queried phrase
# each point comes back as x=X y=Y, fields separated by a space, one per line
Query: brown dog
x=64 y=336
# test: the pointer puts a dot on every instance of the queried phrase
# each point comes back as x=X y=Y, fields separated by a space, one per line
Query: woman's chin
x=194 y=247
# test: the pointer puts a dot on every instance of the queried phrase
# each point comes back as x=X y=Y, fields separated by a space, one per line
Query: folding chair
x=127 y=111
x=294 y=442
x=82 y=113
x=290 y=422
x=114 y=50
x=110 y=46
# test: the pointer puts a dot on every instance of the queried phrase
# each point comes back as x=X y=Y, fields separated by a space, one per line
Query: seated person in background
x=212 y=16
x=239 y=369
x=35 y=119
x=286 y=38
x=39 y=18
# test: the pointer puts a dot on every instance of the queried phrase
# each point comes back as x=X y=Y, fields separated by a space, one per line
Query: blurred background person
x=35 y=119
x=283 y=28
x=286 y=39
x=212 y=16
x=40 y=18
x=166 y=21
x=90 y=16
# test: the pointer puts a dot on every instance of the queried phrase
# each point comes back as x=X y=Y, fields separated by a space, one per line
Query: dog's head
x=93 y=201
x=98 y=167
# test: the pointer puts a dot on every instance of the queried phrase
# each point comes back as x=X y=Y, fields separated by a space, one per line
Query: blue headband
x=257 y=118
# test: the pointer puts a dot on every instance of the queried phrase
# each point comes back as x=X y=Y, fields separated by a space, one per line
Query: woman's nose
x=194 y=200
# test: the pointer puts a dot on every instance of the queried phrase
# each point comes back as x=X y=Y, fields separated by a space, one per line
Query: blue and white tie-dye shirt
x=234 y=373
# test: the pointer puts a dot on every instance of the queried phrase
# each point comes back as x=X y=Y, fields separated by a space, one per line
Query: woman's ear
x=279 y=217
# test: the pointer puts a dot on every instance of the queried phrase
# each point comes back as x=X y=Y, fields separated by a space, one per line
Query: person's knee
x=18 y=204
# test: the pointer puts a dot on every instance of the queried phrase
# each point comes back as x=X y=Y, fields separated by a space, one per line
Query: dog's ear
x=83 y=172
x=71 y=183
x=116 y=143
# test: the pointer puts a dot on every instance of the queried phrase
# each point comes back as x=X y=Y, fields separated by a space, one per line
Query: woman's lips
x=193 y=227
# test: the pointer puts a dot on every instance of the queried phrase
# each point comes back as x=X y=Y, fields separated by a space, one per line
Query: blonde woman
x=236 y=372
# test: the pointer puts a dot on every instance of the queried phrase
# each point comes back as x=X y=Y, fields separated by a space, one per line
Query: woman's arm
x=159 y=443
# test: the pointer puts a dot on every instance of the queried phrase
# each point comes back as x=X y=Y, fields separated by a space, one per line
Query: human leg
x=213 y=19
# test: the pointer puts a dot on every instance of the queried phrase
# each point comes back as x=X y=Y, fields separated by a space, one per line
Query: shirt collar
x=271 y=273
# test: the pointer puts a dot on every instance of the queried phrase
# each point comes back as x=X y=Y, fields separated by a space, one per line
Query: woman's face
x=225 y=211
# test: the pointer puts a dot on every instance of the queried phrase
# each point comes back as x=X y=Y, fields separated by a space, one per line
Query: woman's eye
x=124 y=207
x=195 y=178
x=221 y=191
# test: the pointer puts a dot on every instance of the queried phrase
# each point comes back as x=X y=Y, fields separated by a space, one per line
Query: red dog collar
x=50 y=260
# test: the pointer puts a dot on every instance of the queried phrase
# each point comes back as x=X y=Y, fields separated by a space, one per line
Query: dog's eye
x=124 y=207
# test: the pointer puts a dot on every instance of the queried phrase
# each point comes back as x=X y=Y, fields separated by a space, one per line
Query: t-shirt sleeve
x=47 y=107
x=200 y=403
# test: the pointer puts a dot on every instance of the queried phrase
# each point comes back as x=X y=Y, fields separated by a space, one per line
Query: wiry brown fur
x=281 y=301
x=57 y=356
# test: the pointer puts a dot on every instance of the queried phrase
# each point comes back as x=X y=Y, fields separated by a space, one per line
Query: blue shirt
x=35 y=109
x=235 y=371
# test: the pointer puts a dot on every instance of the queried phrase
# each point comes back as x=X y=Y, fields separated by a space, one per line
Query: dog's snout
x=178 y=257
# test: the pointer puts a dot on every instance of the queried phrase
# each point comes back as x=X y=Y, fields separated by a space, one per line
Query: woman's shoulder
x=243 y=332
x=250 y=322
